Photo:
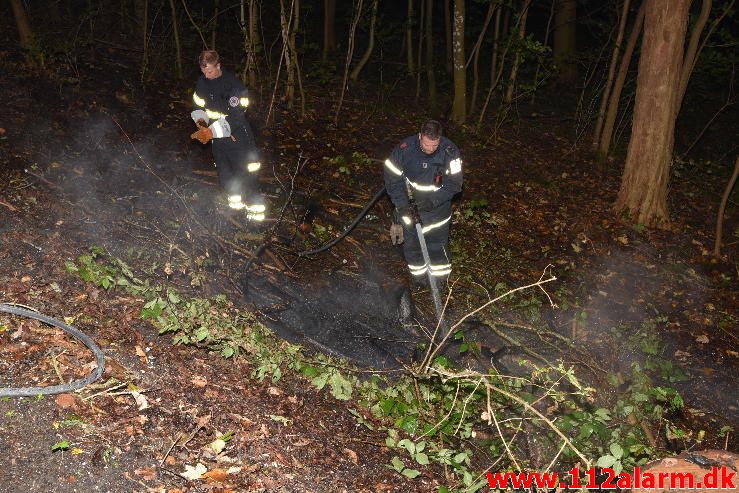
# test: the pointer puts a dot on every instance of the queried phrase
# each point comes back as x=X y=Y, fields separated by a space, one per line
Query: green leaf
x=341 y=387
x=422 y=459
x=606 y=461
x=616 y=450
x=63 y=445
x=411 y=473
x=397 y=463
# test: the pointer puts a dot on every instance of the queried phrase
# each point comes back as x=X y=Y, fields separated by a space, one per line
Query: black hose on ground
x=55 y=389
x=348 y=230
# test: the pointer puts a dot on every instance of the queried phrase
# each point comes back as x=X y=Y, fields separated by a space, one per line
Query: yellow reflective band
x=416 y=267
x=440 y=266
x=234 y=198
x=236 y=205
x=389 y=165
x=214 y=115
x=244 y=102
x=256 y=208
x=430 y=227
x=252 y=167
x=455 y=166
x=255 y=217
x=407 y=220
x=424 y=188
x=198 y=100
x=418 y=272
x=439 y=273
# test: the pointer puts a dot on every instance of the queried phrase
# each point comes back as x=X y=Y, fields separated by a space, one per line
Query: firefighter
x=430 y=166
x=219 y=102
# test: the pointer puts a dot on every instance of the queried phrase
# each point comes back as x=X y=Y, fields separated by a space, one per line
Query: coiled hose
x=55 y=389
x=348 y=230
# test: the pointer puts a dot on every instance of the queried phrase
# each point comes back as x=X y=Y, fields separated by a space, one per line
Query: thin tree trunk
x=517 y=59
x=419 y=48
x=409 y=38
x=565 y=42
x=215 y=25
x=643 y=192
x=722 y=209
x=142 y=16
x=286 y=20
x=176 y=34
x=349 y=54
x=329 y=28
x=459 y=106
x=611 y=73
x=256 y=42
x=430 y=56
x=694 y=49
x=475 y=57
x=370 y=46
x=548 y=31
x=618 y=84
x=448 y=60
x=25 y=33
x=496 y=46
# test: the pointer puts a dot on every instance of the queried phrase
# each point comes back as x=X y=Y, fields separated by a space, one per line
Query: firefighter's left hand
x=202 y=135
x=396 y=234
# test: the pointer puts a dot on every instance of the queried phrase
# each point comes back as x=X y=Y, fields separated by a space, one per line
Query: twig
x=161 y=463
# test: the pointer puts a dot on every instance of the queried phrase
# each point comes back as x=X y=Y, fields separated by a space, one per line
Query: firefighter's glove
x=405 y=215
x=396 y=234
x=202 y=135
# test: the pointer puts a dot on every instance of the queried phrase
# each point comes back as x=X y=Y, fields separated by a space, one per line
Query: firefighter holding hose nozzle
x=422 y=175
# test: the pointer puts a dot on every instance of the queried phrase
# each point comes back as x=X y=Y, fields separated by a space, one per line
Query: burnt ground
x=104 y=160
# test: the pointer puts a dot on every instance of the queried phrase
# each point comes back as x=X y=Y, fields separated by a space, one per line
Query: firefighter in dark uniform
x=219 y=102
x=430 y=165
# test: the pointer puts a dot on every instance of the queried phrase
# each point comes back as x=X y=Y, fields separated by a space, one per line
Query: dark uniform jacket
x=223 y=96
x=434 y=179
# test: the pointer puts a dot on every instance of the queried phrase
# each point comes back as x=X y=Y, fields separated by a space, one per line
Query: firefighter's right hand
x=396 y=234
x=203 y=134
x=406 y=215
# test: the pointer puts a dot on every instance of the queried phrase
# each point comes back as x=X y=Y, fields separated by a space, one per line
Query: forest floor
x=101 y=160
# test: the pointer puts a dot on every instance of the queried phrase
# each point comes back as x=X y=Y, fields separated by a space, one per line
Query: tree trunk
x=475 y=57
x=409 y=38
x=349 y=54
x=517 y=59
x=564 y=42
x=722 y=209
x=643 y=192
x=547 y=33
x=691 y=54
x=176 y=34
x=141 y=8
x=419 y=48
x=459 y=106
x=618 y=85
x=25 y=33
x=329 y=28
x=448 y=59
x=611 y=73
x=370 y=46
x=430 y=57
x=214 y=31
x=286 y=21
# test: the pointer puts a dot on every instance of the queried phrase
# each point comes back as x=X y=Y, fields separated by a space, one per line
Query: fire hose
x=76 y=333
x=349 y=228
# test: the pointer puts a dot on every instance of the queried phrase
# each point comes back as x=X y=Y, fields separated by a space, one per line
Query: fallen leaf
x=703 y=339
x=217 y=446
x=146 y=473
x=219 y=475
x=199 y=381
x=192 y=473
x=622 y=239
x=141 y=401
x=274 y=391
x=66 y=401
x=352 y=455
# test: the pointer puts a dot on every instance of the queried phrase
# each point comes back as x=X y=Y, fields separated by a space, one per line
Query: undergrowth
x=469 y=423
